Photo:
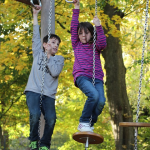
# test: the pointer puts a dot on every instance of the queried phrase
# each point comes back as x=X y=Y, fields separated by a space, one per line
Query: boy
x=54 y=67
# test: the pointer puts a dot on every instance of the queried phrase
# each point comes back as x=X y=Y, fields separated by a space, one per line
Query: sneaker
x=33 y=145
x=43 y=148
x=84 y=127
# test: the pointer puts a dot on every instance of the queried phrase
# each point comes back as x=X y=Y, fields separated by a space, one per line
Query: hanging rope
x=45 y=63
x=94 y=46
x=141 y=73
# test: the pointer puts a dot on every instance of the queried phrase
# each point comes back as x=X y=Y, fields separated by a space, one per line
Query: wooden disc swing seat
x=134 y=124
x=93 y=138
x=88 y=138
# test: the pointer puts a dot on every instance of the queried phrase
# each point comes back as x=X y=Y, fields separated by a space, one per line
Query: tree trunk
x=1 y=137
x=4 y=137
x=120 y=109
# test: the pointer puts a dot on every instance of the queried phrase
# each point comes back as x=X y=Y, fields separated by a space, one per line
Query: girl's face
x=84 y=36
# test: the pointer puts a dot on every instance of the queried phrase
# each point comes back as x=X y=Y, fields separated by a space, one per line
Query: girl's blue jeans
x=48 y=110
x=95 y=99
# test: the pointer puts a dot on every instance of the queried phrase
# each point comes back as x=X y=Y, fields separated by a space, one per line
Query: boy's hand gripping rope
x=31 y=1
x=141 y=73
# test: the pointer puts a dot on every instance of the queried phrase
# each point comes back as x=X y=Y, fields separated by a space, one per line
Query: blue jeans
x=95 y=99
x=48 y=110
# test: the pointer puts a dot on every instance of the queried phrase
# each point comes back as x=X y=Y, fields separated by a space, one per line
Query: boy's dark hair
x=45 y=39
x=84 y=26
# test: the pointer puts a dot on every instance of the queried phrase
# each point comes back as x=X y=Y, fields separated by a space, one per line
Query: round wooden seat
x=134 y=124
x=93 y=138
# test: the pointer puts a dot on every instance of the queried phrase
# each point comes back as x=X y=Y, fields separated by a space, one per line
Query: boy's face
x=52 y=46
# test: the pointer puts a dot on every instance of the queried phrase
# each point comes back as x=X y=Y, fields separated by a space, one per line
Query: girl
x=82 y=43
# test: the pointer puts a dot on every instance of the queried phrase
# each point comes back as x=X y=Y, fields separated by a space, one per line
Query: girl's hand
x=96 y=21
x=76 y=4
x=37 y=9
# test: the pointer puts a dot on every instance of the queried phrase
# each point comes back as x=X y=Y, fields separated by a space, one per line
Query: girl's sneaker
x=33 y=145
x=84 y=127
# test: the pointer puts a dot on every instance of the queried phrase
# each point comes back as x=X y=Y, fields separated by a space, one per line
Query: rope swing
x=132 y=124
x=89 y=137
x=45 y=57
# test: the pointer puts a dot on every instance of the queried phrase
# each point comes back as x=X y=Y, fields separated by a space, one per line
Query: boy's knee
x=51 y=121
x=35 y=117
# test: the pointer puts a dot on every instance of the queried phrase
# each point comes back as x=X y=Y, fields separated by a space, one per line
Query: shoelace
x=33 y=145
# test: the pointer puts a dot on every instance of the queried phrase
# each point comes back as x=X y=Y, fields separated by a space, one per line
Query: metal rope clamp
x=69 y=1
x=32 y=3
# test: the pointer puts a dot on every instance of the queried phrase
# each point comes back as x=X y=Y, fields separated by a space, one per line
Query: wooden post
x=45 y=17
x=44 y=31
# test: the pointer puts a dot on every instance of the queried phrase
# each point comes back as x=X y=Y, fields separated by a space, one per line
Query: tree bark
x=4 y=137
x=1 y=137
x=120 y=109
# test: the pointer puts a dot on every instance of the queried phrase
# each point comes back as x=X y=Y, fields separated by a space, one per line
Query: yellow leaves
x=67 y=61
x=5 y=60
x=111 y=2
x=7 y=77
x=127 y=116
x=106 y=35
x=19 y=67
x=1 y=68
x=64 y=43
x=117 y=19
x=106 y=119
x=113 y=31
x=21 y=63
x=15 y=49
x=91 y=2
x=6 y=1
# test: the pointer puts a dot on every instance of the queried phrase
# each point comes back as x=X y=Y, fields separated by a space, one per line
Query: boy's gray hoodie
x=53 y=68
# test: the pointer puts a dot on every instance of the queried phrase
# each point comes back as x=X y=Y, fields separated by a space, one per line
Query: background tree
x=120 y=109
